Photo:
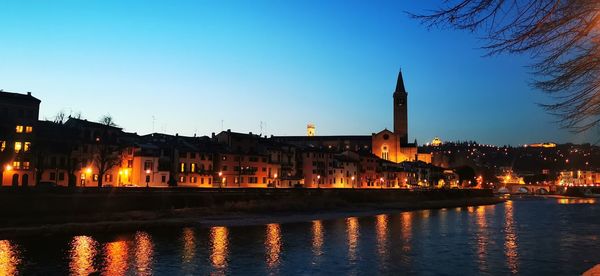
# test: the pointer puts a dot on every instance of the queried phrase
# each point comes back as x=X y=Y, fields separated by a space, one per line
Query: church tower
x=401 y=111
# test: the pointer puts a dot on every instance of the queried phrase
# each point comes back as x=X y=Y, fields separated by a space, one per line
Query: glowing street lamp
x=275 y=177
x=8 y=168
x=88 y=170
x=222 y=179
x=319 y=181
x=352 y=182
x=148 y=172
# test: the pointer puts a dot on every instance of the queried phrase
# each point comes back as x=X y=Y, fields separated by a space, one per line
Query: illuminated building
x=310 y=130
x=18 y=120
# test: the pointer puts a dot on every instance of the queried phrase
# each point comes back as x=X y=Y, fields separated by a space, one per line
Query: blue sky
x=197 y=65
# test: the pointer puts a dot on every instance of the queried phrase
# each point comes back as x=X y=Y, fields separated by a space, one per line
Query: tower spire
x=400 y=83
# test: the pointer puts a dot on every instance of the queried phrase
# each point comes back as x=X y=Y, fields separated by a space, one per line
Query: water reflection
x=510 y=240
x=82 y=253
x=144 y=251
x=576 y=201
x=116 y=258
x=219 y=247
x=353 y=234
x=482 y=237
x=273 y=244
x=407 y=218
x=9 y=258
x=317 y=238
x=381 y=228
x=189 y=245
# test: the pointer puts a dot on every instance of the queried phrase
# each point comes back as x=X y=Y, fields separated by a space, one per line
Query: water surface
x=530 y=237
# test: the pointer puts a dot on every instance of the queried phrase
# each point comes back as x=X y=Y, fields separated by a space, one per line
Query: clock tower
x=401 y=111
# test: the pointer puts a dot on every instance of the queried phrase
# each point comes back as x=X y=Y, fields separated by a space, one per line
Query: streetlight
x=8 y=167
x=222 y=179
x=148 y=178
x=319 y=181
x=381 y=182
x=275 y=177
x=352 y=182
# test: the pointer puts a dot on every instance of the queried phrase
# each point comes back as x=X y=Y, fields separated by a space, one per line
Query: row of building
x=77 y=152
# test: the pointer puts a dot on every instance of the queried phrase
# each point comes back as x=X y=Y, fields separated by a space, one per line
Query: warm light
x=275 y=176
x=318 y=177
x=9 y=258
x=88 y=170
x=8 y=168
x=273 y=244
x=219 y=247
x=148 y=171
x=120 y=171
x=82 y=253
x=352 y=178
x=220 y=174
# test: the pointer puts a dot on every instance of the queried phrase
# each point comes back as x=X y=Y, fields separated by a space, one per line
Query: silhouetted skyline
x=202 y=67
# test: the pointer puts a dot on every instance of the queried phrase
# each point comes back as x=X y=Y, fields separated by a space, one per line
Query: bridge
x=515 y=188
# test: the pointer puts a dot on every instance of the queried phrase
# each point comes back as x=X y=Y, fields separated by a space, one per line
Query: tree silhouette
x=562 y=36
x=107 y=152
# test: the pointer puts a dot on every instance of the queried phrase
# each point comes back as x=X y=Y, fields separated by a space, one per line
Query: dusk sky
x=195 y=65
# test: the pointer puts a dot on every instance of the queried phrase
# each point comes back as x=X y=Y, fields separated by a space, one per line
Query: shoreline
x=195 y=217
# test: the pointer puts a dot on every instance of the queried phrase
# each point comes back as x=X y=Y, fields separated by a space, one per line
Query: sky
x=197 y=67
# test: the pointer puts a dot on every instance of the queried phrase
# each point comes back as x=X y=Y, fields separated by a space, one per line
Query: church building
x=388 y=145
x=393 y=145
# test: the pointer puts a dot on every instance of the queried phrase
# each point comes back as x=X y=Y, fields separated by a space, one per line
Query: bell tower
x=401 y=111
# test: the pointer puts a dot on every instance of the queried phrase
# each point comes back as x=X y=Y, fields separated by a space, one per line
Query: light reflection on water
x=9 y=258
x=402 y=243
x=510 y=243
x=219 y=247
x=353 y=235
x=576 y=200
x=317 y=239
x=82 y=253
x=116 y=258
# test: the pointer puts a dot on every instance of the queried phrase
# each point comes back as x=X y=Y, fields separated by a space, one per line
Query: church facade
x=393 y=145
x=389 y=145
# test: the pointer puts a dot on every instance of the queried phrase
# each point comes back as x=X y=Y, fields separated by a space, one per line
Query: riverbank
x=229 y=216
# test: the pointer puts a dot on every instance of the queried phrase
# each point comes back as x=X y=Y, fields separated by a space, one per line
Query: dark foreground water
x=536 y=237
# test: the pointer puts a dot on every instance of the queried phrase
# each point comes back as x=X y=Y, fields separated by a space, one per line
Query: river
x=526 y=237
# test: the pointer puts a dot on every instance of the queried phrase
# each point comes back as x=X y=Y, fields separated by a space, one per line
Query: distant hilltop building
x=388 y=145
x=436 y=142
x=310 y=130
x=542 y=145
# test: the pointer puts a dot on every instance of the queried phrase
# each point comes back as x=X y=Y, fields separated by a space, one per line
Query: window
x=193 y=167
x=108 y=178
x=129 y=163
x=182 y=179
x=193 y=179
x=163 y=178
x=95 y=177
x=148 y=165
x=202 y=180
x=209 y=181
x=52 y=176
x=264 y=180
x=61 y=176
x=2 y=145
x=182 y=167
x=27 y=146
x=18 y=146
x=28 y=129
x=19 y=129
x=224 y=168
x=82 y=176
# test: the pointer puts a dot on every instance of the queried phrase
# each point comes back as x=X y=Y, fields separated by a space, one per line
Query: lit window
x=27 y=146
x=16 y=164
x=26 y=165
x=182 y=167
x=182 y=179
x=28 y=129
x=19 y=129
x=18 y=146
x=148 y=165
x=193 y=167
x=95 y=178
x=2 y=145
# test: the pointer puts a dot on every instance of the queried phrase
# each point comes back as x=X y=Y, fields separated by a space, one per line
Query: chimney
x=213 y=135
x=250 y=133
x=28 y=93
